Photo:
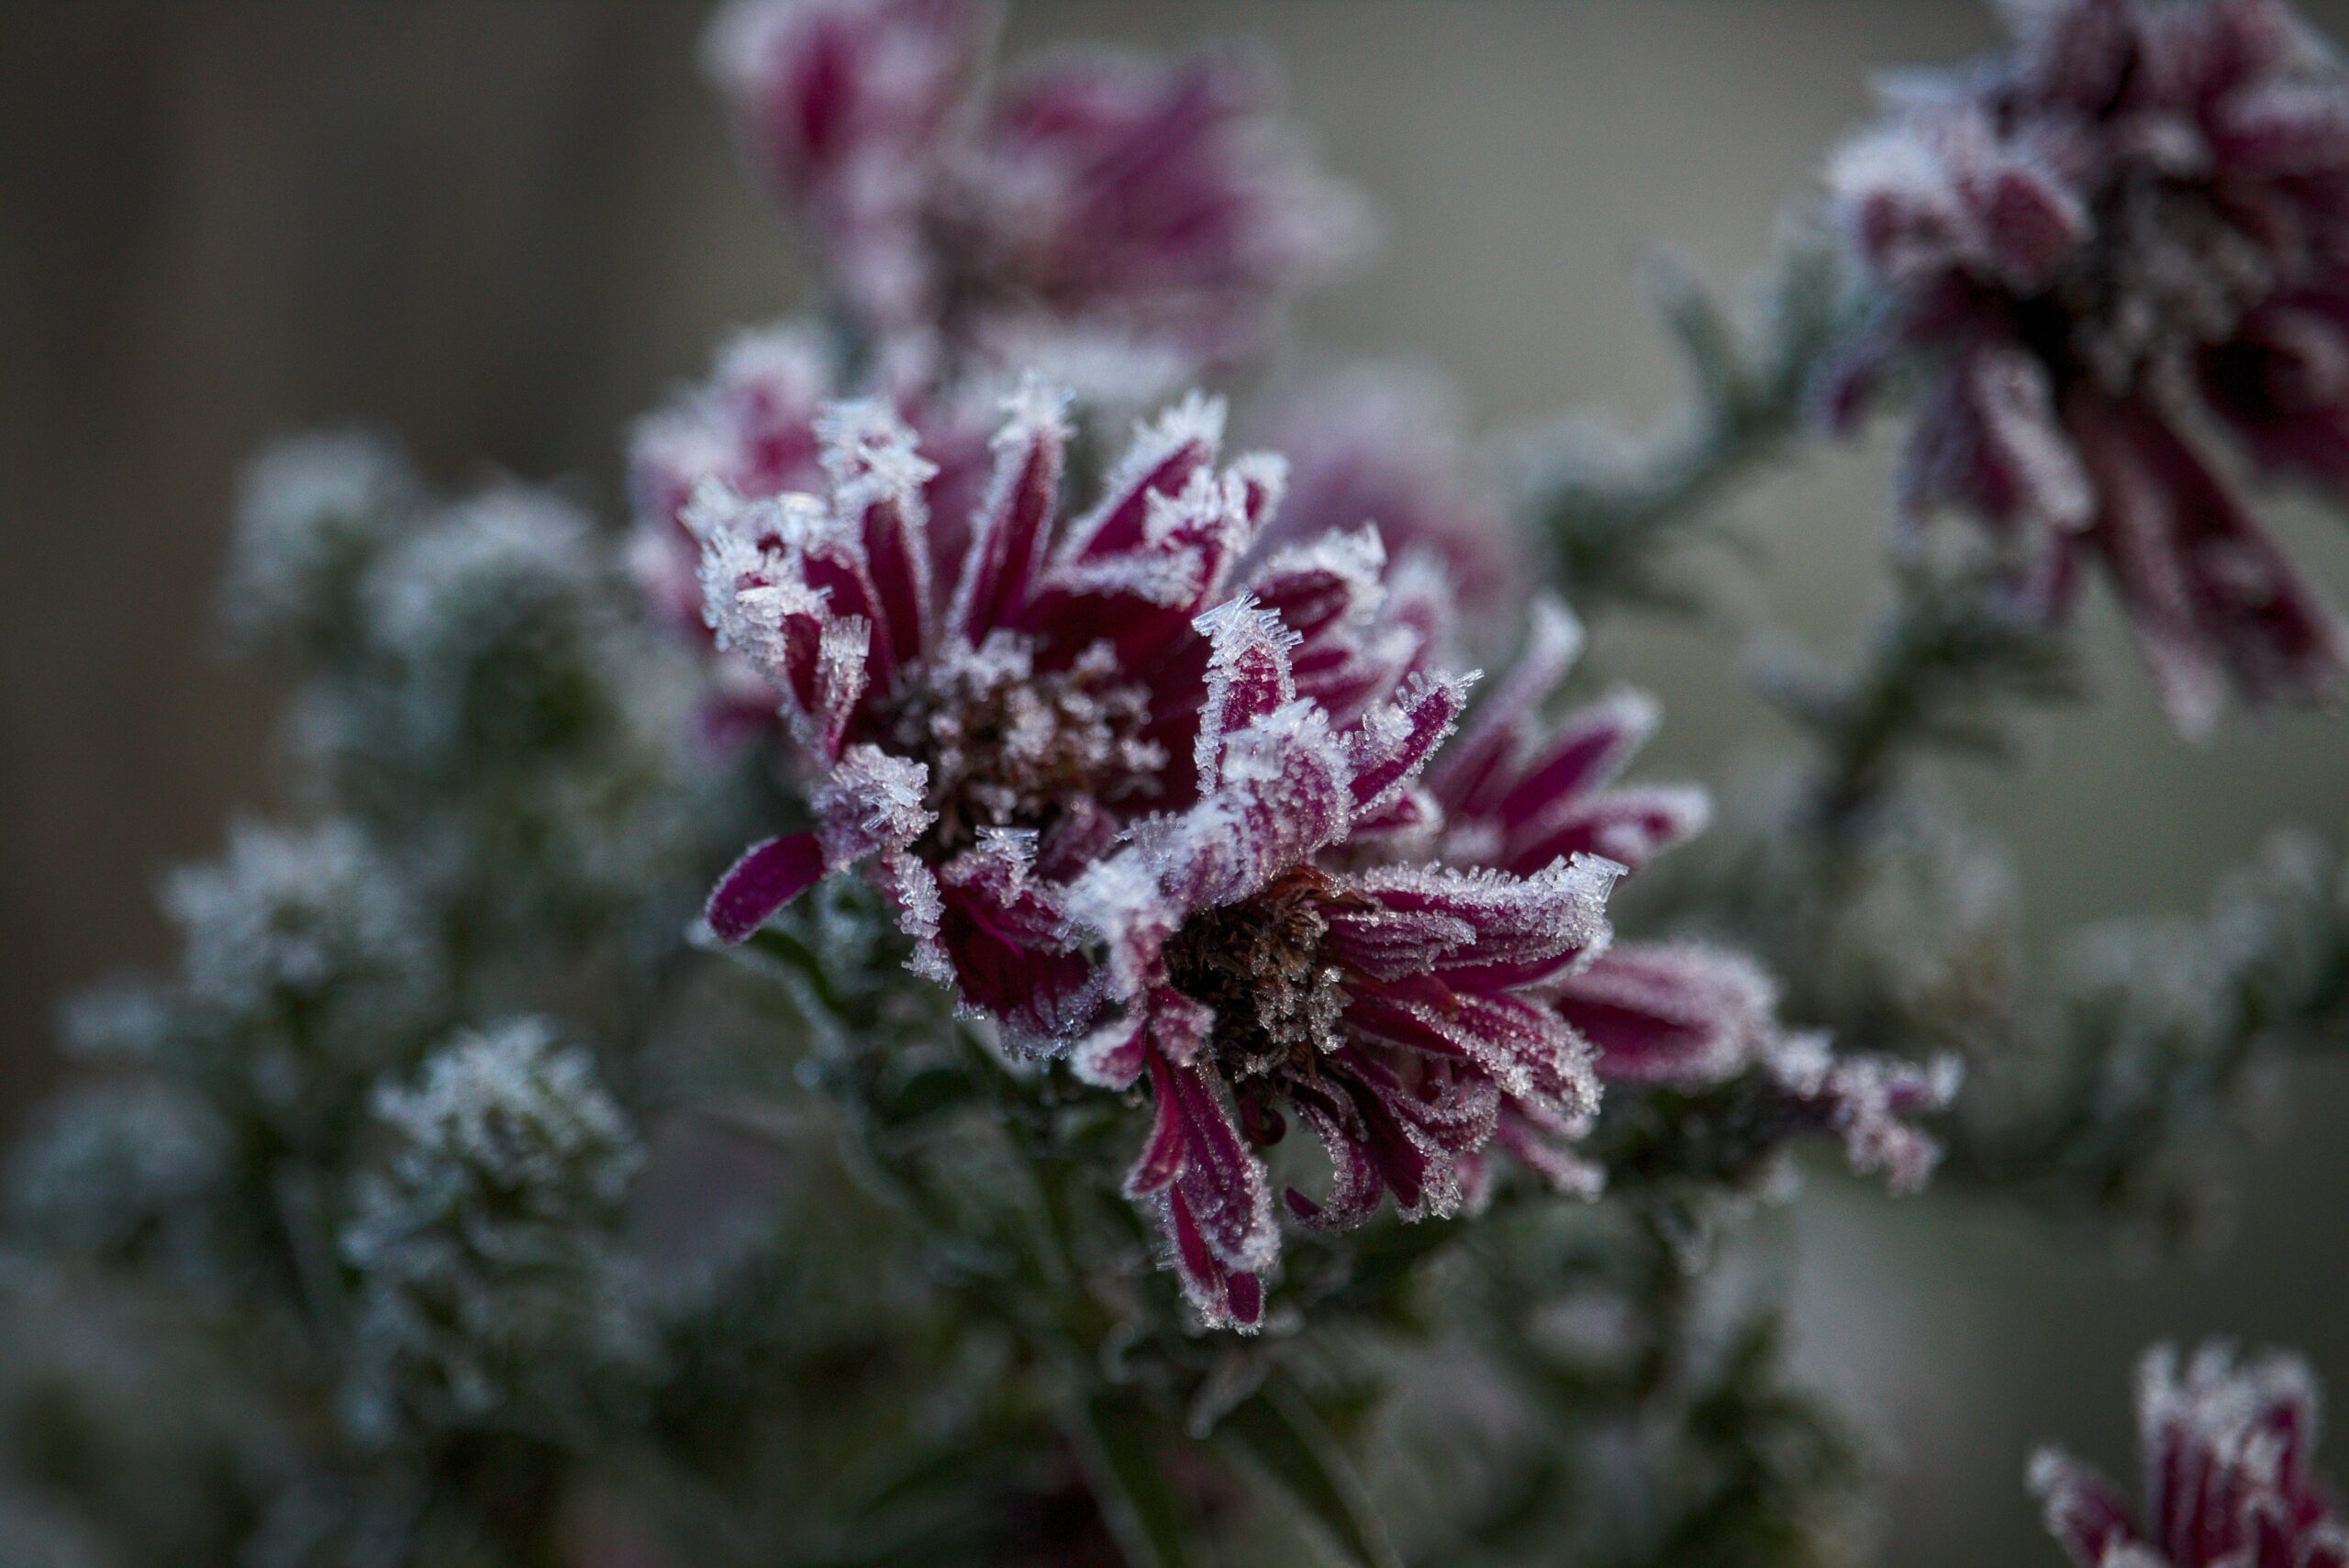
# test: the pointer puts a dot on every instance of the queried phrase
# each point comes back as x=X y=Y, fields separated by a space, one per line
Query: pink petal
x=1248 y=676
x=1008 y=534
x=1392 y=744
x=1658 y=1013
x=2085 y=1514
x=1585 y=753
x=768 y=876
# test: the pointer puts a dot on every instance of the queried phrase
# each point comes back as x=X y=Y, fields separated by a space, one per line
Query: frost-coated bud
x=314 y=512
x=307 y=966
x=491 y=1286
x=496 y=621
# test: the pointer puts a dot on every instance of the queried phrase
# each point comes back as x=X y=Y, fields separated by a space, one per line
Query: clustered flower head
x=2133 y=227
x=1151 y=798
x=2229 y=1479
x=1089 y=206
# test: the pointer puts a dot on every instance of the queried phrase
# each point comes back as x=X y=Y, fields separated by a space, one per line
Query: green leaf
x=782 y=950
x=1276 y=1436
x=1705 y=334
x=1124 y=1447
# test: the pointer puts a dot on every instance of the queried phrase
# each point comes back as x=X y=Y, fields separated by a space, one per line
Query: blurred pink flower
x=2133 y=226
x=2227 y=1451
x=1385 y=446
x=1097 y=208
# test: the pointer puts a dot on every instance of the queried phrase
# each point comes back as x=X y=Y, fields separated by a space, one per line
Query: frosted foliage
x=114 y=1163
x=311 y=930
x=120 y=1020
x=312 y=512
x=492 y=1287
x=496 y=622
x=506 y=1112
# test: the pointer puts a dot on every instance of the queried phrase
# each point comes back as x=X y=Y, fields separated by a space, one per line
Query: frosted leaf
x=449 y=593
x=515 y=1113
x=113 y=1165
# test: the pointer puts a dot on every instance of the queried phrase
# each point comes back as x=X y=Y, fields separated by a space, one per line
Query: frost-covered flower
x=978 y=725
x=1136 y=798
x=486 y=1245
x=1394 y=1009
x=2133 y=226
x=1094 y=200
x=1160 y=201
x=2229 y=1483
x=1517 y=793
x=1383 y=446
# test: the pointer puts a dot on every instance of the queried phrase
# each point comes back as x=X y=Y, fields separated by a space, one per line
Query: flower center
x=1258 y=963
x=1009 y=748
x=2169 y=276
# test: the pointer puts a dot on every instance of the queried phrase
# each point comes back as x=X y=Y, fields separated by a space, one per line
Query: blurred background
x=502 y=230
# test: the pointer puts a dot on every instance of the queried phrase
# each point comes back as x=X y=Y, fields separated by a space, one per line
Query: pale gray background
x=503 y=229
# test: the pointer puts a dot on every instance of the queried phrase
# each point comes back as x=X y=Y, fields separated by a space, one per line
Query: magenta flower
x=1156 y=202
x=1373 y=445
x=1394 y=1010
x=847 y=111
x=1517 y=794
x=1123 y=825
x=1153 y=213
x=2228 y=1479
x=2134 y=226
x=981 y=724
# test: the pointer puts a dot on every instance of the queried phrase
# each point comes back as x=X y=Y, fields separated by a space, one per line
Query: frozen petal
x=768 y=876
